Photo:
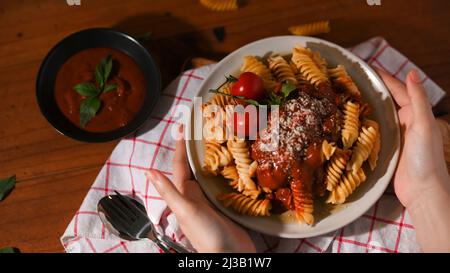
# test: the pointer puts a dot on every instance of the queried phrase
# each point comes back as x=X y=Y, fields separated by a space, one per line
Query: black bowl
x=77 y=42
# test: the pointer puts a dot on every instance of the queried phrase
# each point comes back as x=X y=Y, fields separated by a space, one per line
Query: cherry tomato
x=243 y=126
x=249 y=85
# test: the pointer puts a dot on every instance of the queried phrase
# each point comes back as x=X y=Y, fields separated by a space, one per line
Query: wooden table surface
x=54 y=172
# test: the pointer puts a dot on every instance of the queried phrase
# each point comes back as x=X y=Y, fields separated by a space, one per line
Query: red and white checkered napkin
x=384 y=228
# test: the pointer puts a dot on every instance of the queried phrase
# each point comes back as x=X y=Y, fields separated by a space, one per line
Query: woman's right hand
x=421 y=181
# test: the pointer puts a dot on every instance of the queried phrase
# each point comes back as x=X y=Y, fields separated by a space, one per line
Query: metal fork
x=127 y=218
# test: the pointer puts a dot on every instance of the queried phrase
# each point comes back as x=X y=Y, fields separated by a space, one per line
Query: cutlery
x=127 y=218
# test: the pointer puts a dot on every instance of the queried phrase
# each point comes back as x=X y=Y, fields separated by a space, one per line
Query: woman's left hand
x=206 y=228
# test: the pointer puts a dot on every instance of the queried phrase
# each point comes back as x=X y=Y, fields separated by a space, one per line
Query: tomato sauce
x=296 y=163
x=119 y=107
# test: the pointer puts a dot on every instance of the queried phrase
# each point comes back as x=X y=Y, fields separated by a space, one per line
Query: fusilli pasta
x=240 y=151
x=220 y=5
x=342 y=80
x=216 y=156
x=303 y=202
x=230 y=172
x=245 y=205
x=373 y=157
x=310 y=29
x=364 y=147
x=308 y=67
x=252 y=64
x=351 y=124
x=336 y=168
x=282 y=69
x=328 y=149
x=346 y=186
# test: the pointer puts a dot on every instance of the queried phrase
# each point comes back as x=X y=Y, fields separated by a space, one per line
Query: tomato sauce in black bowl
x=98 y=85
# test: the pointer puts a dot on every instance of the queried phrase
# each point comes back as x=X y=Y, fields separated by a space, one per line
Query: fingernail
x=181 y=131
x=414 y=76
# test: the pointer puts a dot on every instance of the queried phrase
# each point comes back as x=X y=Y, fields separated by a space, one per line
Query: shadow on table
x=173 y=43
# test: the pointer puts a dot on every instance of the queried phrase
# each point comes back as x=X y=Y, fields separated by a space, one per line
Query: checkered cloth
x=386 y=227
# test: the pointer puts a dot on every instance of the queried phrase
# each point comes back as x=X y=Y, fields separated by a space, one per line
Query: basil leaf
x=231 y=78
x=99 y=76
x=110 y=87
x=6 y=186
x=287 y=88
x=88 y=109
x=252 y=102
x=103 y=70
x=86 y=89
x=8 y=250
x=107 y=68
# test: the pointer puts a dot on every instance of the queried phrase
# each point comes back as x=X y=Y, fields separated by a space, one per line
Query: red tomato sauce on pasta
x=119 y=107
x=296 y=163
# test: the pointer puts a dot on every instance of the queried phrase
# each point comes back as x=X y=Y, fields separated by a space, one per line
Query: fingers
x=175 y=201
x=419 y=100
x=396 y=87
x=181 y=171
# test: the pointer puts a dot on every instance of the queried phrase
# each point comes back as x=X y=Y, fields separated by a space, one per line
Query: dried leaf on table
x=6 y=186
x=9 y=250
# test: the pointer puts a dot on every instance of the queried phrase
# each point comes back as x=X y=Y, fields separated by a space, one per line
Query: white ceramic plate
x=373 y=91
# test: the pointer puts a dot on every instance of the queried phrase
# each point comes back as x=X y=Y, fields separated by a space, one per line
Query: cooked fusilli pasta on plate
x=322 y=132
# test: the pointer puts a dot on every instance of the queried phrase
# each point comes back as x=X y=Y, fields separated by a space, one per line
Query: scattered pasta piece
x=346 y=186
x=282 y=70
x=351 y=124
x=310 y=29
x=245 y=205
x=220 y=5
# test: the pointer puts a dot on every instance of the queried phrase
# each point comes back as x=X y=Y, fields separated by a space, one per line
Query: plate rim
x=369 y=199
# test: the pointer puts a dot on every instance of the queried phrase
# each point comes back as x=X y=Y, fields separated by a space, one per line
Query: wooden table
x=54 y=172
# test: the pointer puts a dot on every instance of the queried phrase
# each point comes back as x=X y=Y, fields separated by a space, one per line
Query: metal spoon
x=127 y=218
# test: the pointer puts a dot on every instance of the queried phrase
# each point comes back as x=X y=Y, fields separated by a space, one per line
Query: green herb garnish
x=9 y=250
x=272 y=98
x=230 y=79
x=91 y=91
x=287 y=88
x=6 y=186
